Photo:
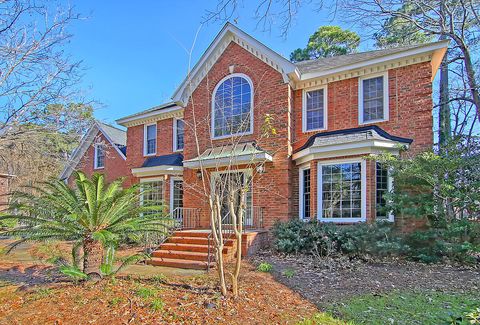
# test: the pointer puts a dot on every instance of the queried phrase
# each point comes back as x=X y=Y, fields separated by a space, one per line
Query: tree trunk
x=216 y=228
x=92 y=258
x=445 y=128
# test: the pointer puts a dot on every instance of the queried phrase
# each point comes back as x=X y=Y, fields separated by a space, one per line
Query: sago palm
x=93 y=215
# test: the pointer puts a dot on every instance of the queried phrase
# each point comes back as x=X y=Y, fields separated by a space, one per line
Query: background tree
x=327 y=41
x=38 y=86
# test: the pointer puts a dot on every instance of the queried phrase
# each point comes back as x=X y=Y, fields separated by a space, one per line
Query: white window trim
x=172 y=180
x=145 y=126
x=301 y=191
x=391 y=216
x=175 y=144
x=212 y=119
x=363 y=178
x=385 y=98
x=304 y=108
x=95 y=157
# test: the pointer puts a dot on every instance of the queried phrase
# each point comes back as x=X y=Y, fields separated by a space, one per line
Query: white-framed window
x=373 y=98
x=342 y=191
x=304 y=193
x=232 y=106
x=178 y=132
x=314 y=109
x=384 y=185
x=176 y=193
x=152 y=191
x=150 y=139
x=99 y=156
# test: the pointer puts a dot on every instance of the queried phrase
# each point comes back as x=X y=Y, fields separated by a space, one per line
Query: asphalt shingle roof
x=118 y=136
x=175 y=159
x=324 y=64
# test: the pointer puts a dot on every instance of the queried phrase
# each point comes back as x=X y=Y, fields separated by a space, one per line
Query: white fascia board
x=416 y=51
x=346 y=149
x=286 y=66
x=227 y=161
x=158 y=113
x=157 y=170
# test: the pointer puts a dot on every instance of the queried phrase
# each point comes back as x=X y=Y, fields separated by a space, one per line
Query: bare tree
x=35 y=71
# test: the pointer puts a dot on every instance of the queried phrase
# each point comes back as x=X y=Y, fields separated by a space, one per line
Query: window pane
x=179 y=135
x=341 y=195
x=153 y=193
x=177 y=194
x=382 y=189
x=100 y=154
x=315 y=109
x=232 y=107
x=306 y=194
x=151 y=137
x=373 y=99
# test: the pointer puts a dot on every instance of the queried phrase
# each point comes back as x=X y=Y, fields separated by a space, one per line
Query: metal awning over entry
x=232 y=154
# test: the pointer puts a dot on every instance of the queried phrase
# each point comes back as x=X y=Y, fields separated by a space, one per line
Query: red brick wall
x=115 y=165
x=272 y=190
x=136 y=157
x=410 y=106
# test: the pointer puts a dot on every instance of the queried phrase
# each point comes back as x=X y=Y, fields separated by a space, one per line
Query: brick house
x=102 y=150
x=299 y=134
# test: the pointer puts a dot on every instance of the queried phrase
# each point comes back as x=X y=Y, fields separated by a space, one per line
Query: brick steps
x=188 y=250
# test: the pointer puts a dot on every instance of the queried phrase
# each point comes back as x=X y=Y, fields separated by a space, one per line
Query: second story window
x=150 y=139
x=232 y=106
x=178 y=130
x=314 y=109
x=99 y=159
x=373 y=98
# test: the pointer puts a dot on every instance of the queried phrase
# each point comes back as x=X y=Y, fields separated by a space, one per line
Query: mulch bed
x=192 y=300
x=327 y=281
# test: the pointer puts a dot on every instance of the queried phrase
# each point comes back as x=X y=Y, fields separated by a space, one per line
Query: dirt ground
x=328 y=282
x=33 y=292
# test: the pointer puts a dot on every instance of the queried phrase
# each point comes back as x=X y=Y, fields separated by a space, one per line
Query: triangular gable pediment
x=228 y=34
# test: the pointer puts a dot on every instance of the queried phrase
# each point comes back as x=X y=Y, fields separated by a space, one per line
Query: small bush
x=289 y=273
x=157 y=304
x=144 y=292
x=265 y=267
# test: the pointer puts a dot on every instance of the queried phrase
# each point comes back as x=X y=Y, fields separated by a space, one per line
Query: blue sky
x=134 y=51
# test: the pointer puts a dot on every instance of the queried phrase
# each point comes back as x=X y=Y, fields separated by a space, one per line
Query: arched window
x=232 y=106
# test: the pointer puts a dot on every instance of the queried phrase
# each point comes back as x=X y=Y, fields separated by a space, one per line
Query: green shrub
x=325 y=239
x=265 y=267
x=457 y=241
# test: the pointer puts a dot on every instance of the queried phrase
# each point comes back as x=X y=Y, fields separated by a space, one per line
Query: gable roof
x=228 y=34
x=116 y=137
x=156 y=111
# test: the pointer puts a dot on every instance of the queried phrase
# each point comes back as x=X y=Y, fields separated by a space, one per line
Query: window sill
x=372 y=122
x=230 y=136
x=98 y=168
x=314 y=130
x=149 y=155
x=342 y=220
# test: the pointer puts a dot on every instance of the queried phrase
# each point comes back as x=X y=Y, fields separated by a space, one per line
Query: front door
x=176 y=199
x=233 y=182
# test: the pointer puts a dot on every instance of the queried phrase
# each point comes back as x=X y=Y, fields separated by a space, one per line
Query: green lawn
x=408 y=308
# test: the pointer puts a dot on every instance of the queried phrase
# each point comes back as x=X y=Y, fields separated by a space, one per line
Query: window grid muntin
x=232 y=107
x=180 y=129
x=315 y=109
x=373 y=99
x=345 y=182
x=382 y=188
x=306 y=193
x=151 y=139
x=177 y=201
x=153 y=195
x=99 y=156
